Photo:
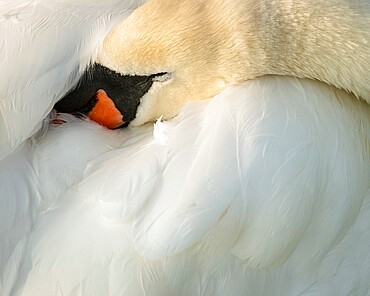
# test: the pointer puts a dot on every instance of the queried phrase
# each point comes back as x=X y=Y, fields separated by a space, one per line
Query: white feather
x=45 y=45
x=44 y=48
x=263 y=190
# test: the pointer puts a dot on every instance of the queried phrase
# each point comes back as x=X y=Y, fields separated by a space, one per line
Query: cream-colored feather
x=209 y=45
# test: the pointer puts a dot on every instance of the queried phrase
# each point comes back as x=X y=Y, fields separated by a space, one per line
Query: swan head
x=169 y=52
x=166 y=53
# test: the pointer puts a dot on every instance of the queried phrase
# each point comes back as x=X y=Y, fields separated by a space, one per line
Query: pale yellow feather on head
x=207 y=45
x=189 y=39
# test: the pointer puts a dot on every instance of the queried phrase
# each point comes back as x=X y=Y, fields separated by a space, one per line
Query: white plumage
x=261 y=191
x=44 y=46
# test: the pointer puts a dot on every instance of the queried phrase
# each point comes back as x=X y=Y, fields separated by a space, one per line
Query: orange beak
x=105 y=112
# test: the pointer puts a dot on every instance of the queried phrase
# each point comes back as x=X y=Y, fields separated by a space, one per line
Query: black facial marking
x=125 y=91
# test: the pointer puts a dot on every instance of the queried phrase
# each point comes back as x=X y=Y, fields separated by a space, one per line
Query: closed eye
x=162 y=76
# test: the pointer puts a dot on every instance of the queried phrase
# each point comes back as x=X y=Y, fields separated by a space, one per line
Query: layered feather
x=261 y=191
x=45 y=45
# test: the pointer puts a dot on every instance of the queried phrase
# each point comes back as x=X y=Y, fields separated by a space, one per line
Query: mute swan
x=261 y=191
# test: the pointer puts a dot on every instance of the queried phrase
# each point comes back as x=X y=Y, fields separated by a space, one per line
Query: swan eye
x=162 y=77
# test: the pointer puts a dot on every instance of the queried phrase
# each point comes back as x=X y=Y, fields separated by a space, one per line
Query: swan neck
x=323 y=40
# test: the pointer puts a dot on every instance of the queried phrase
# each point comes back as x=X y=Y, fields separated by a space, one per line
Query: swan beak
x=105 y=112
x=105 y=96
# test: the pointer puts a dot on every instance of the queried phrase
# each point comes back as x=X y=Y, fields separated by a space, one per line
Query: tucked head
x=165 y=54
x=169 y=52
